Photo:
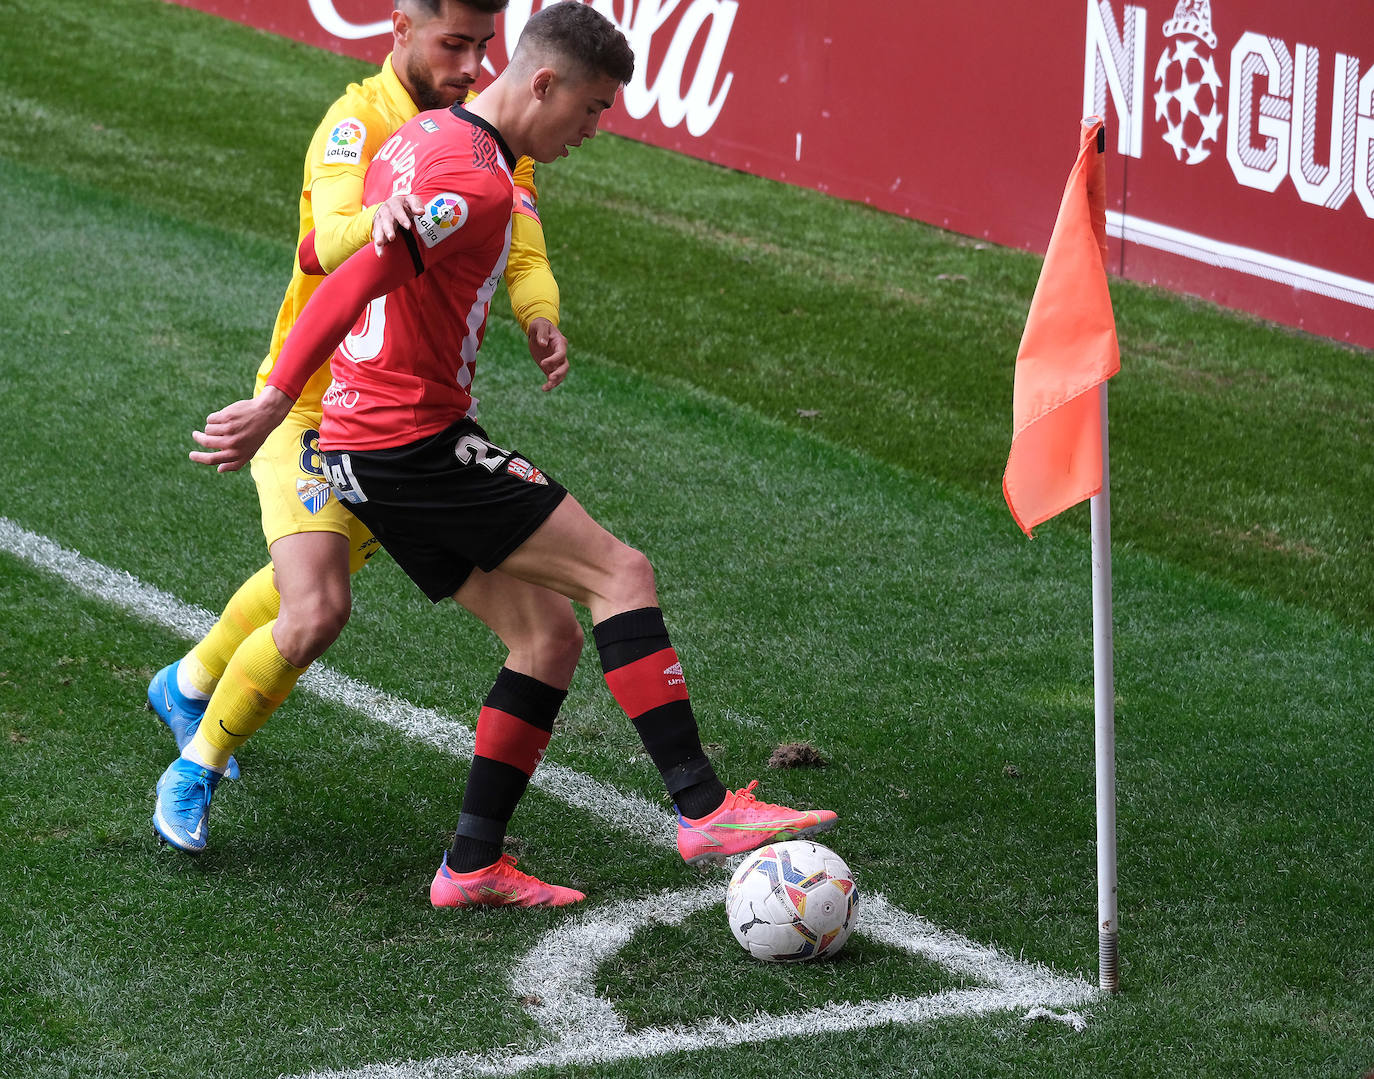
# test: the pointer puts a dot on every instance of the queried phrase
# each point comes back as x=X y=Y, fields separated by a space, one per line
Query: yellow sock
x=255 y=604
x=256 y=682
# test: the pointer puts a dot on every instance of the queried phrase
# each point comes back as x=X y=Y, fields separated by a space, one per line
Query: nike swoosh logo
x=231 y=734
x=761 y=825
x=200 y=824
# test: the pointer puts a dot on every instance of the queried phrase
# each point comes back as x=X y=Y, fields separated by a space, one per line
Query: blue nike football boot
x=182 y=814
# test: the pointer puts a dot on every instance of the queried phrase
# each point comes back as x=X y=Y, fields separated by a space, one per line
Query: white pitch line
x=590 y=1031
x=556 y=983
x=632 y=813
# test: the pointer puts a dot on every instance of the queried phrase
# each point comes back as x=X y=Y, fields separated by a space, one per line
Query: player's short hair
x=486 y=7
x=574 y=31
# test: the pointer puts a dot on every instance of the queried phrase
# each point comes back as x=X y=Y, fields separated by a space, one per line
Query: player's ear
x=541 y=81
x=400 y=27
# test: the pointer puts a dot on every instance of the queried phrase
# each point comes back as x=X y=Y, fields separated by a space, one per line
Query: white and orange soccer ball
x=792 y=901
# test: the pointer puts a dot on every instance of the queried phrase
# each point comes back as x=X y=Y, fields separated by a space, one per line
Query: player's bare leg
x=537 y=625
x=572 y=554
x=316 y=598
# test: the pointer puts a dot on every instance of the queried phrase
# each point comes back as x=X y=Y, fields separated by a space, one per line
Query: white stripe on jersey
x=477 y=317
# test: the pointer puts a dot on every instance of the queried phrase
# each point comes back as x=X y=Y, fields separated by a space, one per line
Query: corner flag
x=1059 y=454
x=1068 y=348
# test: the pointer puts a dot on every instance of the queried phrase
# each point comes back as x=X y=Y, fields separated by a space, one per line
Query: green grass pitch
x=800 y=410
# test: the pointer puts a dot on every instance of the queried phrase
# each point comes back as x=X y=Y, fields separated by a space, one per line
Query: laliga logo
x=346 y=134
x=1188 y=81
x=447 y=211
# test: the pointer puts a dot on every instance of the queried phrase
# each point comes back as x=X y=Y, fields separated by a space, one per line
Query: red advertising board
x=1242 y=130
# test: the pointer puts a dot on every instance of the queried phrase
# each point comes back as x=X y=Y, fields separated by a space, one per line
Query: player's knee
x=632 y=578
x=563 y=642
x=552 y=645
x=308 y=626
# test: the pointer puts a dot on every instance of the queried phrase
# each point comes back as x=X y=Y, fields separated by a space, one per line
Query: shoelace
x=746 y=796
x=185 y=792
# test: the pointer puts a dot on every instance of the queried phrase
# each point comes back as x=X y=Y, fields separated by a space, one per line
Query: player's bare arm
x=234 y=433
x=549 y=349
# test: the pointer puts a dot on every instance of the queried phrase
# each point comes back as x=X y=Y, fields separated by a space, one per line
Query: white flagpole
x=1104 y=695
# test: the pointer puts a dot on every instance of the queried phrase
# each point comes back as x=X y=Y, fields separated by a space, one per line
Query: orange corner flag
x=1068 y=349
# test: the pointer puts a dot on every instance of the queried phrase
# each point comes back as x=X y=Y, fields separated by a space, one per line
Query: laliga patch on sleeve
x=345 y=143
x=444 y=215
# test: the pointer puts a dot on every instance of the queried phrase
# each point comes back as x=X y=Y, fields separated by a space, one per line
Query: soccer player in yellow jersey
x=286 y=615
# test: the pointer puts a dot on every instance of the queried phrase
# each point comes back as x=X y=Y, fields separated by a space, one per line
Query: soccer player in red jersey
x=285 y=615
x=457 y=512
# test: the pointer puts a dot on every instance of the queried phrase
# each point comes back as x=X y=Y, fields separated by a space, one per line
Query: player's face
x=569 y=111
x=439 y=57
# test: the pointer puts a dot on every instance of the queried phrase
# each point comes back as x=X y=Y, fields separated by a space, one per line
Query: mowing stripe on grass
x=555 y=980
x=631 y=813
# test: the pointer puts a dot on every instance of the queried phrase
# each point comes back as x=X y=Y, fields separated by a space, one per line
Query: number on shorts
x=473 y=450
x=311 y=462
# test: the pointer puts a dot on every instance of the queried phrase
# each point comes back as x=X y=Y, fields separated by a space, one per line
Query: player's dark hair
x=583 y=35
x=486 y=7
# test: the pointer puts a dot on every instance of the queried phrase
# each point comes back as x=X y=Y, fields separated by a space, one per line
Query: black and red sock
x=645 y=677
x=513 y=730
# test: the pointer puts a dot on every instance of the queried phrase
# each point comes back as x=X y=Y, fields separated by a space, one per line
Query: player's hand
x=233 y=434
x=549 y=348
x=394 y=214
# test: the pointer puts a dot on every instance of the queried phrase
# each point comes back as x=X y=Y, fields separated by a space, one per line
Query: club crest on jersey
x=345 y=142
x=313 y=493
x=519 y=467
x=444 y=215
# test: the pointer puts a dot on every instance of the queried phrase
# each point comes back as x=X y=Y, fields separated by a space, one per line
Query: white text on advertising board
x=644 y=24
x=1266 y=95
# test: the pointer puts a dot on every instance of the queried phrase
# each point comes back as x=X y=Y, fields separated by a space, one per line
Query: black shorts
x=444 y=504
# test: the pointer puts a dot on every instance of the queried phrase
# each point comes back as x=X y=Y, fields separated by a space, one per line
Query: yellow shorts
x=294 y=495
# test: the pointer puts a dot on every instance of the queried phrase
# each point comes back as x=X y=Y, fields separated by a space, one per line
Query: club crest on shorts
x=518 y=466
x=444 y=215
x=313 y=493
x=345 y=142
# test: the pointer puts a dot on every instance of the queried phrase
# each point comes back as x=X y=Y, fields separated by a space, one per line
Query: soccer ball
x=792 y=901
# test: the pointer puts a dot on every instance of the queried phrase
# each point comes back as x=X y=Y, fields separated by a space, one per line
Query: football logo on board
x=1188 y=83
x=345 y=142
x=444 y=215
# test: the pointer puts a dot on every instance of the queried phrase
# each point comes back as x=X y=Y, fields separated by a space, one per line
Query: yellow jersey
x=353 y=129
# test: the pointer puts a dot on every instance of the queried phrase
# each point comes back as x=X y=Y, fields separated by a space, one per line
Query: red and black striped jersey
x=417 y=310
